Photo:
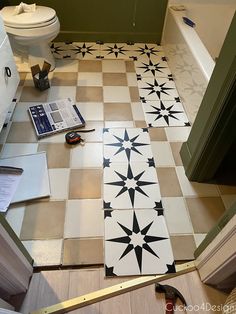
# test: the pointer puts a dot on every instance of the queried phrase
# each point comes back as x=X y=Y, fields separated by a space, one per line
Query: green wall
x=107 y=20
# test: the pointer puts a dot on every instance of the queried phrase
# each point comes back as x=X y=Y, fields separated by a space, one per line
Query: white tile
x=113 y=66
x=11 y=150
x=59 y=183
x=57 y=138
x=116 y=94
x=151 y=68
x=164 y=113
x=61 y=92
x=157 y=88
x=177 y=134
x=14 y=217
x=119 y=124
x=199 y=238
x=21 y=113
x=127 y=145
x=194 y=188
x=67 y=65
x=137 y=111
x=177 y=216
x=88 y=155
x=136 y=242
x=84 y=218
x=91 y=110
x=93 y=136
x=115 y=51
x=228 y=200
x=4 y=133
x=89 y=79
x=85 y=50
x=132 y=79
x=45 y=252
x=162 y=154
x=132 y=185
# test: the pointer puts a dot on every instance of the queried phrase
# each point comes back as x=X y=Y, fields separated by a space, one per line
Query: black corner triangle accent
x=107 y=205
x=105 y=130
x=106 y=163
x=109 y=271
x=171 y=268
x=158 y=205
x=151 y=162
x=145 y=130
x=187 y=124
x=107 y=213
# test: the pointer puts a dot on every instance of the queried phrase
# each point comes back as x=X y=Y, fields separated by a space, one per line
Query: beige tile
x=64 y=78
x=183 y=247
x=66 y=65
x=58 y=155
x=113 y=66
x=227 y=189
x=157 y=134
x=22 y=132
x=92 y=94
x=129 y=66
x=116 y=94
x=140 y=124
x=228 y=200
x=175 y=147
x=22 y=78
x=134 y=94
x=190 y=188
x=205 y=212
x=85 y=183
x=90 y=66
x=117 y=111
x=168 y=180
x=114 y=79
x=30 y=93
x=83 y=251
x=43 y=220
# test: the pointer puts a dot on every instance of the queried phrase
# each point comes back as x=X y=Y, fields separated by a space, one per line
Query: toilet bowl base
x=37 y=54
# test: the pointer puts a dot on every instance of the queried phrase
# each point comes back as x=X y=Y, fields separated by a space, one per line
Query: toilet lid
x=41 y=16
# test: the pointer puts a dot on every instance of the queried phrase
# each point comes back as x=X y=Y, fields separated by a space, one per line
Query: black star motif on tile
x=164 y=112
x=157 y=89
x=127 y=144
x=56 y=49
x=147 y=51
x=152 y=67
x=115 y=50
x=137 y=239
x=84 y=49
x=131 y=184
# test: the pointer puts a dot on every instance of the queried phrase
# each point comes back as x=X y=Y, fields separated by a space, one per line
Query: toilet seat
x=43 y=16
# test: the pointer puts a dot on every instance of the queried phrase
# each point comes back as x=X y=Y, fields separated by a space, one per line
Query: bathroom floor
x=68 y=228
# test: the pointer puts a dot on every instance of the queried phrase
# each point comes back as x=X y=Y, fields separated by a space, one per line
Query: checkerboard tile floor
x=68 y=228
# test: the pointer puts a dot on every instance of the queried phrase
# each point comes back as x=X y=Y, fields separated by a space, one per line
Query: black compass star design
x=147 y=51
x=131 y=184
x=116 y=50
x=56 y=49
x=85 y=49
x=137 y=239
x=152 y=67
x=157 y=88
x=127 y=144
x=164 y=112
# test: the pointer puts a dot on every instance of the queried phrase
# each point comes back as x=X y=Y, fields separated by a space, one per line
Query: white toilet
x=32 y=32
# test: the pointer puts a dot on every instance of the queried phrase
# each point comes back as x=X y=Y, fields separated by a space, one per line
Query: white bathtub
x=188 y=58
